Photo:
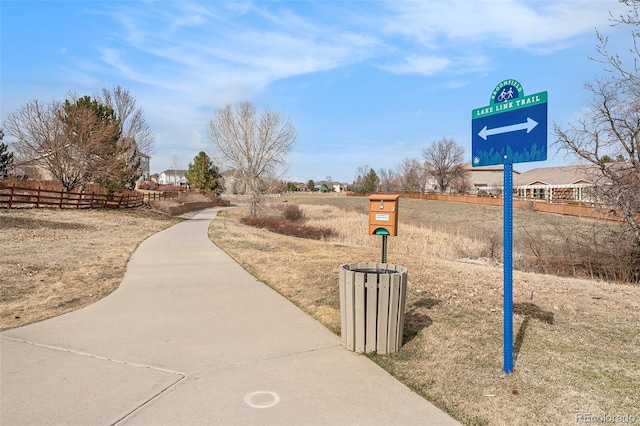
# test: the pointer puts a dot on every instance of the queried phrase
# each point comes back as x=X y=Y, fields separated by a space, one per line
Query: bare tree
x=255 y=145
x=610 y=128
x=411 y=175
x=388 y=180
x=462 y=183
x=132 y=119
x=77 y=142
x=444 y=160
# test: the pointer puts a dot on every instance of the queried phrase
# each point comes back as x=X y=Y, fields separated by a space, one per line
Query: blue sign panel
x=512 y=129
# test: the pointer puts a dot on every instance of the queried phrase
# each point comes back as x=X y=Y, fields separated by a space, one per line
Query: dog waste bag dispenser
x=383 y=214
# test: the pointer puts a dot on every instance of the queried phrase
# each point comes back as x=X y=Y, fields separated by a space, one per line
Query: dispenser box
x=383 y=214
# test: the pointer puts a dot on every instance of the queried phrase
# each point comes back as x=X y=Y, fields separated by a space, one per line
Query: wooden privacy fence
x=13 y=196
x=571 y=208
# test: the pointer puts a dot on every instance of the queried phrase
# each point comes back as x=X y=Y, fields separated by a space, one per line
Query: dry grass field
x=55 y=261
x=577 y=342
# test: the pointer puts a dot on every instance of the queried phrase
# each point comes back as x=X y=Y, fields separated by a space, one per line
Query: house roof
x=496 y=168
x=174 y=171
x=562 y=175
x=486 y=175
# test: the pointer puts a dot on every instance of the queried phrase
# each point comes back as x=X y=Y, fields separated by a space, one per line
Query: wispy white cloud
x=422 y=65
x=469 y=29
x=509 y=23
x=183 y=59
x=245 y=46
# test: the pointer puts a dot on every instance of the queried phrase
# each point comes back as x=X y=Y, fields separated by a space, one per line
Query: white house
x=173 y=177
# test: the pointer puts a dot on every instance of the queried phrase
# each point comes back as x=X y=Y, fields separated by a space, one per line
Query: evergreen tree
x=94 y=145
x=203 y=175
x=6 y=157
x=370 y=182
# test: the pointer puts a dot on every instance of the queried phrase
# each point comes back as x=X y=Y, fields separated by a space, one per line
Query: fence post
x=11 y=194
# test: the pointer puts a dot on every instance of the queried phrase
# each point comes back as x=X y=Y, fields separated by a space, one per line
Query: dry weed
x=55 y=261
x=576 y=341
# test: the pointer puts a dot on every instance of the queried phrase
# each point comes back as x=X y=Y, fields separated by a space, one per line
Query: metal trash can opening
x=372 y=303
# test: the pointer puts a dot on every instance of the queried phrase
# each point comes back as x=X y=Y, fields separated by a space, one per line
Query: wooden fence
x=13 y=196
x=162 y=195
x=570 y=208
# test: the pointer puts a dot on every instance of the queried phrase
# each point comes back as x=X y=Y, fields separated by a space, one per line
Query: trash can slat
x=360 y=312
x=372 y=304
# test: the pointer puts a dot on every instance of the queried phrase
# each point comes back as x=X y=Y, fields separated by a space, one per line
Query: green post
x=384 y=248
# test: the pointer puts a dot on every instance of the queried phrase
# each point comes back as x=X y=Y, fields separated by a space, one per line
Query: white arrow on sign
x=529 y=125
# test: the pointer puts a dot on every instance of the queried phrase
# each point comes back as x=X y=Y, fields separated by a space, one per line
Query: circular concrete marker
x=261 y=399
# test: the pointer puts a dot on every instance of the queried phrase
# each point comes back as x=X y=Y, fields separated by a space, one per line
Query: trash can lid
x=374 y=271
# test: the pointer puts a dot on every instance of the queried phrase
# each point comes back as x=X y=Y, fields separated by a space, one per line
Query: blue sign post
x=511 y=129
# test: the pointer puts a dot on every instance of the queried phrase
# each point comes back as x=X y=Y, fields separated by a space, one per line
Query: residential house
x=144 y=169
x=484 y=178
x=339 y=187
x=173 y=177
x=327 y=186
x=322 y=187
x=563 y=183
x=488 y=178
x=32 y=169
x=301 y=187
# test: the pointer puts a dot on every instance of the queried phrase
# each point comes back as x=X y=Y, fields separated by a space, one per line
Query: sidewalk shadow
x=414 y=320
x=529 y=311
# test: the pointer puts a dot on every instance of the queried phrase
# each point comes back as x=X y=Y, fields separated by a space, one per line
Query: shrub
x=148 y=185
x=287 y=227
x=293 y=213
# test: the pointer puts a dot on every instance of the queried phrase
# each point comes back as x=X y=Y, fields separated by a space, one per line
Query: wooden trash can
x=372 y=303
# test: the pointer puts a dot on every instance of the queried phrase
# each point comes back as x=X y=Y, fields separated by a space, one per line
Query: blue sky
x=364 y=82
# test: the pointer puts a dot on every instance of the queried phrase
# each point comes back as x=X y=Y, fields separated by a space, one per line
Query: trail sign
x=511 y=129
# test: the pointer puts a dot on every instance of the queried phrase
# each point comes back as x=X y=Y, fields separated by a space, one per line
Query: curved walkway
x=191 y=338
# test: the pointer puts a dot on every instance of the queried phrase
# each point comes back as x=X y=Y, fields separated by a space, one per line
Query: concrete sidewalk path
x=191 y=338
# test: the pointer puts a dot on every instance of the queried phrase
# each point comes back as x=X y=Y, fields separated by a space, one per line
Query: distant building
x=173 y=177
x=563 y=183
x=339 y=187
x=487 y=177
x=326 y=186
x=144 y=169
x=560 y=183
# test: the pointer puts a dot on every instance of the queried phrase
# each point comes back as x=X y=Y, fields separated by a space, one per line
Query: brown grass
x=576 y=341
x=55 y=261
